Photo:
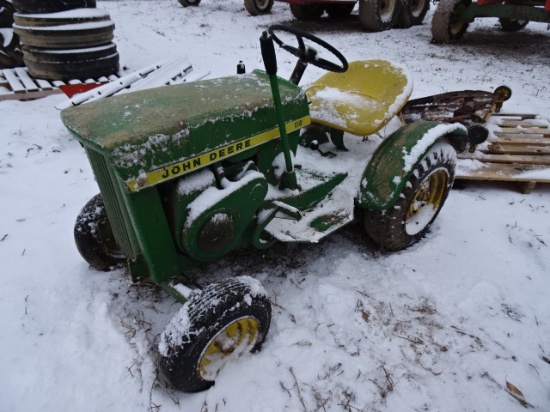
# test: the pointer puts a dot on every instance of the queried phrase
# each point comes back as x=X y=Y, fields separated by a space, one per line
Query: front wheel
x=419 y=204
x=221 y=323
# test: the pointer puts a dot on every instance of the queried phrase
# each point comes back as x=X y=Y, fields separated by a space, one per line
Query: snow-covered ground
x=446 y=325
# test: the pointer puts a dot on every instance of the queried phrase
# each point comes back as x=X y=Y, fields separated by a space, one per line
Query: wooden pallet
x=18 y=84
x=518 y=150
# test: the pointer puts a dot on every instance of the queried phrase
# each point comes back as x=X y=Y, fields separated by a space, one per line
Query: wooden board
x=518 y=150
x=18 y=84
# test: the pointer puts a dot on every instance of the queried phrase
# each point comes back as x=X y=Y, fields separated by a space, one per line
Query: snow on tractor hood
x=153 y=135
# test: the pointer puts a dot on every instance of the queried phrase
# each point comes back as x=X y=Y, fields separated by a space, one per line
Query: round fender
x=395 y=159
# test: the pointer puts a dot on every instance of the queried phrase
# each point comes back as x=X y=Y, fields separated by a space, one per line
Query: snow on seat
x=361 y=100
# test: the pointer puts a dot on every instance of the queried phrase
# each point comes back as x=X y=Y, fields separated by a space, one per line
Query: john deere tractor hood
x=188 y=125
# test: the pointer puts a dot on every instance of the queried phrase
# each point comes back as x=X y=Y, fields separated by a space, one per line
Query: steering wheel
x=302 y=51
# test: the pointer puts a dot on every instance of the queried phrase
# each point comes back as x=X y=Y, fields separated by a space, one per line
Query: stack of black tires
x=65 y=39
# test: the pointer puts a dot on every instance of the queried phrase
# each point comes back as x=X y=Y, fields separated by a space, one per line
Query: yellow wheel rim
x=426 y=202
x=235 y=339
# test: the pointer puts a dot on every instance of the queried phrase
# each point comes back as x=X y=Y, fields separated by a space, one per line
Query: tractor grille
x=113 y=198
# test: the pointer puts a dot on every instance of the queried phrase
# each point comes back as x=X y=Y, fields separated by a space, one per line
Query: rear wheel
x=221 y=323
x=307 y=11
x=257 y=7
x=419 y=203
x=512 y=24
x=446 y=23
x=94 y=238
x=378 y=15
x=339 y=11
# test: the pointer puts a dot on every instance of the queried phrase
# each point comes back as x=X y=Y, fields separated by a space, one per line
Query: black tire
x=11 y=55
x=237 y=305
x=378 y=15
x=446 y=27
x=81 y=64
x=61 y=18
x=305 y=12
x=339 y=11
x=51 y=6
x=187 y=3
x=413 y=13
x=93 y=236
x=6 y=14
x=69 y=36
x=409 y=219
x=512 y=24
x=257 y=7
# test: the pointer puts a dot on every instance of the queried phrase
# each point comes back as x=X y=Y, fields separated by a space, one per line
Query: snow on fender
x=394 y=160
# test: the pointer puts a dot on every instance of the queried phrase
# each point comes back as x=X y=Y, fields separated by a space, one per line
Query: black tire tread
x=339 y=11
x=252 y=7
x=70 y=37
x=370 y=18
x=512 y=25
x=189 y=3
x=88 y=240
x=208 y=312
x=386 y=227
x=307 y=12
x=441 y=22
x=51 y=6
x=82 y=64
x=60 y=18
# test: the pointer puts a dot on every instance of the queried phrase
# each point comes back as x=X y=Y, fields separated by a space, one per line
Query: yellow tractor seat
x=363 y=99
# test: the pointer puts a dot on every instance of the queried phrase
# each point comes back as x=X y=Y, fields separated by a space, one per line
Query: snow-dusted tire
x=221 y=323
x=307 y=12
x=51 y=6
x=512 y=24
x=81 y=64
x=93 y=236
x=413 y=12
x=378 y=15
x=421 y=200
x=446 y=26
x=187 y=3
x=61 y=18
x=339 y=11
x=68 y=36
x=257 y=7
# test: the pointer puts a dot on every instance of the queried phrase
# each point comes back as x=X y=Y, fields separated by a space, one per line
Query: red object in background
x=71 y=89
x=481 y=2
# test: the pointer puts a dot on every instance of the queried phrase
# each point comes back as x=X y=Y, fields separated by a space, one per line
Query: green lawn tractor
x=190 y=172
